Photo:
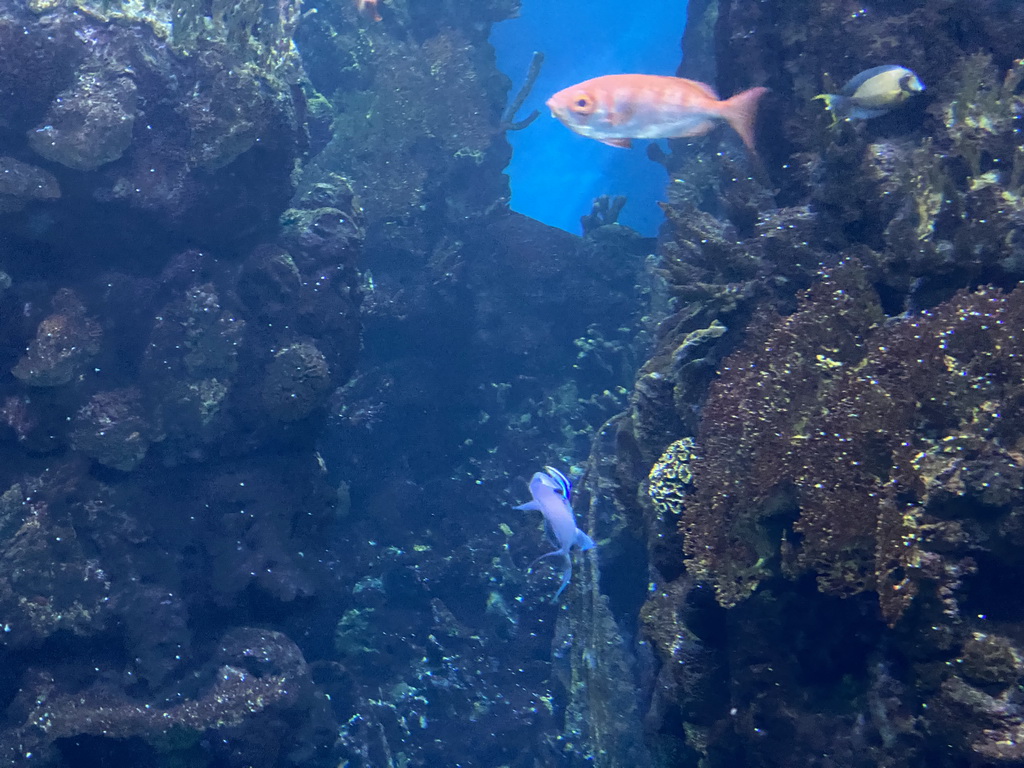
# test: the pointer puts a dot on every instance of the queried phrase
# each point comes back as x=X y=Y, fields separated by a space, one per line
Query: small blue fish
x=551 y=497
x=873 y=92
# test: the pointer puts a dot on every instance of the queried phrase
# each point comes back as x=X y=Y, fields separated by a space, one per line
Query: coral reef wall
x=823 y=452
x=169 y=353
x=278 y=356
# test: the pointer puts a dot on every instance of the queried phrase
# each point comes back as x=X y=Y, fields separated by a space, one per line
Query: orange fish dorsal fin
x=622 y=143
x=704 y=88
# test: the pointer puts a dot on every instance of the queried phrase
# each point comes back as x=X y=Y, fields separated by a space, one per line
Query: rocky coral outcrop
x=297 y=382
x=64 y=343
x=149 y=154
x=21 y=183
x=120 y=118
x=112 y=428
x=842 y=351
x=255 y=675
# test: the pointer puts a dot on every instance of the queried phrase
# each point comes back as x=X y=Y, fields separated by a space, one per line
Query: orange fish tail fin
x=740 y=111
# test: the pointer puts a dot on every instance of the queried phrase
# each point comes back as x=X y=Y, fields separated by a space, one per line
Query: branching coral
x=508 y=117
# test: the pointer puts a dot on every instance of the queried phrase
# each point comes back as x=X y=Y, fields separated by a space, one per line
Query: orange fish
x=368 y=9
x=617 y=108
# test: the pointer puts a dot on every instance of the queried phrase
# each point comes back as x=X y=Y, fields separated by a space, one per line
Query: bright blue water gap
x=556 y=174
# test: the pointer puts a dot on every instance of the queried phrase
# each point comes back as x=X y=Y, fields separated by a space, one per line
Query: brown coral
x=255 y=675
x=817 y=434
x=65 y=341
x=112 y=428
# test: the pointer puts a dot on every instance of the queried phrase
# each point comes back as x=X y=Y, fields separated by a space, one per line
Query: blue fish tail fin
x=566 y=575
x=584 y=542
x=546 y=554
x=833 y=101
x=837 y=104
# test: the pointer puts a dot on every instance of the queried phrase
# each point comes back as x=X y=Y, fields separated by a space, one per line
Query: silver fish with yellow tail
x=872 y=93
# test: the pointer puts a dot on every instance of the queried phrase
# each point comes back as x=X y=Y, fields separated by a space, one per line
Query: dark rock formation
x=153 y=511
x=829 y=414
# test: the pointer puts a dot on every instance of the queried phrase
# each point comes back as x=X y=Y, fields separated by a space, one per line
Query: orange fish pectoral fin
x=622 y=143
x=620 y=116
x=740 y=111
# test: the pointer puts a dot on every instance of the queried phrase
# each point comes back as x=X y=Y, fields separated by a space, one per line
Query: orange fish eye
x=582 y=104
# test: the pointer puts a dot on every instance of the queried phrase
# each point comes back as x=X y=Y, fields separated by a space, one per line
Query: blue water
x=555 y=173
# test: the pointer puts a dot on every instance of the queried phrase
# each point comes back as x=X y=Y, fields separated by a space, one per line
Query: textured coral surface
x=823 y=452
x=281 y=359
x=161 y=488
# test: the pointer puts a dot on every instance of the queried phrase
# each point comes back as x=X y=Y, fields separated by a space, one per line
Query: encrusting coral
x=112 y=428
x=823 y=441
x=841 y=343
x=64 y=343
x=670 y=477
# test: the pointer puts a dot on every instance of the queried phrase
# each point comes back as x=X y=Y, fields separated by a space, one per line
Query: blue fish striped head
x=563 y=482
